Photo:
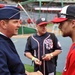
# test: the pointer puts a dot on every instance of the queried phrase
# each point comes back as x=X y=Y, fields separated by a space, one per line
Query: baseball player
x=66 y=20
x=43 y=48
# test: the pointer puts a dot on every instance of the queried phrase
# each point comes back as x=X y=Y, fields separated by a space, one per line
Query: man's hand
x=39 y=73
x=34 y=73
x=37 y=61
x=47 y=57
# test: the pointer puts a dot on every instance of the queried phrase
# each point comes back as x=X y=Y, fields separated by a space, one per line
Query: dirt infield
x=49 y=29
x=22 y=36
x=27 y=35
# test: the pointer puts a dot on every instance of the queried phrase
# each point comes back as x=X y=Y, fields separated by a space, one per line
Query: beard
x=66 y=34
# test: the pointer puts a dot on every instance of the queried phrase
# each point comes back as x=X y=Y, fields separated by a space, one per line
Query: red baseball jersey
x=70 y=62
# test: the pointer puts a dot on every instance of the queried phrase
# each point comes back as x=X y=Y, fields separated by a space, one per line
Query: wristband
x=33 y=59
x=51 y=55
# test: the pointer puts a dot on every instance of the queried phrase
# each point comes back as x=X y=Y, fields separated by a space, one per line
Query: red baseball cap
x=2 y=5
x=67 y=12
x=58 y=20
x=42 y=21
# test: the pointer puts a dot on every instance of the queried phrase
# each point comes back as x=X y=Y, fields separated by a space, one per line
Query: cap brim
x=58 y=20
x=2 y=5
x=43 y=23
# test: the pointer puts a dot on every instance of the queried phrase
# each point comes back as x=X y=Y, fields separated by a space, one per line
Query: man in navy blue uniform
x=10 y=63
x=43 y=48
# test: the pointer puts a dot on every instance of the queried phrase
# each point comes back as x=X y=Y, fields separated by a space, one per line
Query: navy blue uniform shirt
x=40 y=45
x=10 y=63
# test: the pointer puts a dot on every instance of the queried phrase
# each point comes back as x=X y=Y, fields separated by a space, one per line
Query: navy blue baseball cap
x=67 y=12
x=9 y=12
x=41 y=21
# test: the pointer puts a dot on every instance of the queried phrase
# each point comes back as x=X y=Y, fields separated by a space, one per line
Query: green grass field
x=31 y=69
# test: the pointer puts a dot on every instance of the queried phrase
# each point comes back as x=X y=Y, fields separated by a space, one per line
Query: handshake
x=34 y=73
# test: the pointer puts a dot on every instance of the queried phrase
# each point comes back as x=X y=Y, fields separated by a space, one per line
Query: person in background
x=66 y=21
x=43 y=48
x=10 y=63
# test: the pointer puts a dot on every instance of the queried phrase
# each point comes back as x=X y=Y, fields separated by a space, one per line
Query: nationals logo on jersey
x=49 y=43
